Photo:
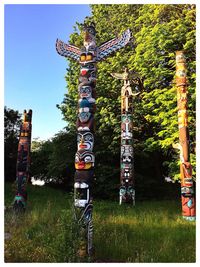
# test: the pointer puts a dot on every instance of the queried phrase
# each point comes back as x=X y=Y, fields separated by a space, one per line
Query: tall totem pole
x=187 y=186
x=88 y=56
x=23 y=162
x=127 y=187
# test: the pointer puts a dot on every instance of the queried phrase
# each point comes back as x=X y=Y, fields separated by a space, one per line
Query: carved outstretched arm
x=67 y=50
x=113 y=45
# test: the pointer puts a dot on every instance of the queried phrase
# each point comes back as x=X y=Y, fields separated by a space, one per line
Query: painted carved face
x=85 y=140
x=86 y=70
x=85 y=92
x=180 y=57
x=127 y=153
x=126 y=118
x=89 y=37
x=84 y=160
x=187 y=191
x=181 y=73
x=126 y=174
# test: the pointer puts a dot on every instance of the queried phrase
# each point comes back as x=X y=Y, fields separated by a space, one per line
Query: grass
x=150 y=232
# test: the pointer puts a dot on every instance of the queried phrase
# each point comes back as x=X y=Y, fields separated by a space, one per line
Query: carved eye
x=88 y=137
x=87 y=89
x=89 y=57
x=83 y=57
x=88 y=159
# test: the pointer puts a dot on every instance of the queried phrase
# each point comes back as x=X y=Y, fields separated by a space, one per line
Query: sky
x=33 y=71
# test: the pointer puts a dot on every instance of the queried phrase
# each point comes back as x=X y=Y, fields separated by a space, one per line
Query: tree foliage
x=53 y=160
x=158 y=31
x=12 y=122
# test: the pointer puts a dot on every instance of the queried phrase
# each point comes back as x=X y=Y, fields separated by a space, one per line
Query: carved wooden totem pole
x=127 y=188
x=23 y=162
x=88 y=56
x=187 y=186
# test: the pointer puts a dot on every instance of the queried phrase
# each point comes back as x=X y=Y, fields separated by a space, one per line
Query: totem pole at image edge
x=187 y=185
x=87 y=56
x=127 y=182
x=23 y=162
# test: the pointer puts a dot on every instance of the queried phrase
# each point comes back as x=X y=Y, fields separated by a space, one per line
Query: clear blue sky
x=34 y=72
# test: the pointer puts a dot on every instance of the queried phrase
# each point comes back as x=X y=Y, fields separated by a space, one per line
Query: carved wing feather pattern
x=119 y=76
x=67 y=50
x=107 y=48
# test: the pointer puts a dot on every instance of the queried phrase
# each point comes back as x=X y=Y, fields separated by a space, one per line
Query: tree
x=12 y=123
x=53 y=160
x=158 y=31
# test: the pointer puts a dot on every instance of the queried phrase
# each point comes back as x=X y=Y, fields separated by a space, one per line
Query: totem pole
x=23 y=162
x=88 y=56
x=187 y=186
x=127 y=190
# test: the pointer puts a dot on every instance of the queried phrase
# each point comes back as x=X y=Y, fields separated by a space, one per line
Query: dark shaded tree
x=53 y=160
x=12 y=123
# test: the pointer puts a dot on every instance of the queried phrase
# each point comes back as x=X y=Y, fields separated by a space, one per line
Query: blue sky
x=33 y=71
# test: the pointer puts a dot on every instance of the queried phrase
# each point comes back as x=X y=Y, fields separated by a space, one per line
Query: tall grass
x=149 y=232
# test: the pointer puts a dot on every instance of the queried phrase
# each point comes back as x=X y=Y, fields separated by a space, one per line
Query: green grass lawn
x=150 y=232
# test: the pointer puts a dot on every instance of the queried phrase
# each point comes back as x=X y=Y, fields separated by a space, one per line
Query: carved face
x=181 y=73
x=89 y=37
x=180 y=58
x=84 y=160
x=85 y=140
x=126 y=118
x=187 y=191
x=25 y=128
x=126 y=174
x=85 y=91
x=88 y=69
x=126 y=153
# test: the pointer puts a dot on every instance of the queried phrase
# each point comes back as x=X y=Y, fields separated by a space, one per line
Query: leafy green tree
x=157 y=32
x=53 y=160
x=162 y=30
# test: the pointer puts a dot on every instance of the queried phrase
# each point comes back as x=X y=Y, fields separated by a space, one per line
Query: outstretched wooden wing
x=67 y=50
x=119 y=76
x=113 y=45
